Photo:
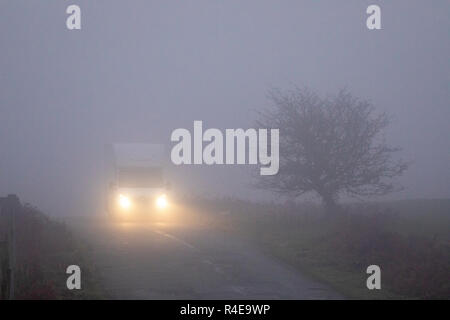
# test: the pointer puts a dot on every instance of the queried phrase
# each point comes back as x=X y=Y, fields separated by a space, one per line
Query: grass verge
x=409 y=240
x=44 y=250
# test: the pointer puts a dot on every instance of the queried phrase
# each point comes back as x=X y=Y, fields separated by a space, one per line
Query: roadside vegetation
x=44 y=249
x=409 y=240
x=334 y=146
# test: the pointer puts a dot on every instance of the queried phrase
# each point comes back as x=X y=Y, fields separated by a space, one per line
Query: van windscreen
x=135 y=177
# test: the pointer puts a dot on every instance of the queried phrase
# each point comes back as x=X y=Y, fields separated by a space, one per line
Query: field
x=409 y=240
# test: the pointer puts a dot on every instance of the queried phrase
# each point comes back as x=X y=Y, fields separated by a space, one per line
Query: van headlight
x=161 y=202
x=124 y=202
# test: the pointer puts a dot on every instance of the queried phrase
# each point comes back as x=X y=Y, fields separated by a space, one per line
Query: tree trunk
x=330 y=204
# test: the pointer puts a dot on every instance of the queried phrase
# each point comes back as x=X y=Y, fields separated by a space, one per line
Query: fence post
x=4 y=263
x=11 y=207
x=4 y=290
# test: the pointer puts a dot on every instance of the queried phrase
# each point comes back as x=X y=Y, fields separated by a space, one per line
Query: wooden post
x=4 y=280
x=11 y=206
x=4 y=263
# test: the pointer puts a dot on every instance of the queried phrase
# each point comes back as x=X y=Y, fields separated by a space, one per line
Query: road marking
x=216 y=267
x=240 y=290
x=182 y=242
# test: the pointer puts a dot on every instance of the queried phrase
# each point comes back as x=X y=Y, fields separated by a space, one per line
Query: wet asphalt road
x=182 y=260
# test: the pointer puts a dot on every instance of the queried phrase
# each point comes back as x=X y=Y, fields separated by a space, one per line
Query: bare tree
x=330 y=146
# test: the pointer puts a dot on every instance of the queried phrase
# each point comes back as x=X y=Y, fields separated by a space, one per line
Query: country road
x=162 y=260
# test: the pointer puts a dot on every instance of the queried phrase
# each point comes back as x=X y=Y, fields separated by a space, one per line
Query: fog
x=137 y=70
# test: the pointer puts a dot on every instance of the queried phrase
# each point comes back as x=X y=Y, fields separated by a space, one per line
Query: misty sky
x=139 y=69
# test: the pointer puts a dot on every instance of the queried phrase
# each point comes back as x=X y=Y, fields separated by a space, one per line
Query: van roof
x=138 y=154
